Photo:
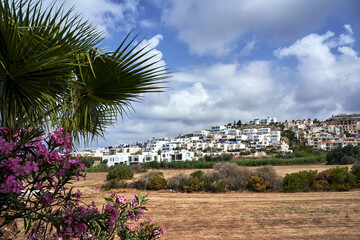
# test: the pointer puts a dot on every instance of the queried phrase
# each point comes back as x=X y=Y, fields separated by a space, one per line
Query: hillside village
x=252 y=139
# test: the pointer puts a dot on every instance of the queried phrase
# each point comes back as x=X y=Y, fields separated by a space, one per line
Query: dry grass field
x=315 y=215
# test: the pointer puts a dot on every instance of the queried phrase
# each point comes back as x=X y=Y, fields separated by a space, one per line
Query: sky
x=235 y=60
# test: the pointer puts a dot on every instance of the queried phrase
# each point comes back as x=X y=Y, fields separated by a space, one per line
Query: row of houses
x=338 y=131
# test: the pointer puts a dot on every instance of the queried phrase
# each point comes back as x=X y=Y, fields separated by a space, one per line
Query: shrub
x=88 y=161
x=175 y=182
x=151 y=165
x=42 y=167
x=98 y=168
x=355 y=169
x=347 y=160
x=192 y=185
x=157 y=183
x=234 y=176
x=258 y=184
x=341 y=179
x=114 y=184
x=136 y=168
x=120 y=172
x=336 y=156
x=197 y=174
x=219 y=187
x=320 y=181
x=144 y=179
x=269 y=175
x=298 y=182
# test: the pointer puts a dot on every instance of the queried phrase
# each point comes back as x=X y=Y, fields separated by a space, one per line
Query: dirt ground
x=315 y=215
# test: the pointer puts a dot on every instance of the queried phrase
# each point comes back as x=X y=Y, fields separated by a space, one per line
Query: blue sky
x=232 y=59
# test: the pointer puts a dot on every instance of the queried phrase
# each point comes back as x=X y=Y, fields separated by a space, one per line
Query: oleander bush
x=35 y=175
x=120 y=172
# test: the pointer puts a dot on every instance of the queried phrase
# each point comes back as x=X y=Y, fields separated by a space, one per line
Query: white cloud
x=324 y=82
x=212 y=26
x=106 y=15
x=150 y=47
x=327 y=72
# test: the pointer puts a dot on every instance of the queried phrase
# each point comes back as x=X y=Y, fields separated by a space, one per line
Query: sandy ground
x=316 y=215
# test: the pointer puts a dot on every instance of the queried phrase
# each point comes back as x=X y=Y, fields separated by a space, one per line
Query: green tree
x=54 y=74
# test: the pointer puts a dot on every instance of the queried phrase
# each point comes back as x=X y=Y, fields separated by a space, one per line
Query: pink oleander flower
x=11 y=185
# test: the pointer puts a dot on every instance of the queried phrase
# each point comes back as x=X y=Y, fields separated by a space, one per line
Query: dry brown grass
x=316 y=215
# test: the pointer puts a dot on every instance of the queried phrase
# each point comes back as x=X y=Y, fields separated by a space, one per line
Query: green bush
x=98 y=168
x=219 y=187
x=114 y=184
x=89 y=161
x=341 y=179
x=197 y=174
x=120 y=172
x=157 y=183
x=336 y=156
x=151 y=165
x=258 y=184
x=298 y=182
x=192 y=185
x=355 y=169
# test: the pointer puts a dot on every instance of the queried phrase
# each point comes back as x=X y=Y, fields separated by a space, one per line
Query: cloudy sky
x=231 y=60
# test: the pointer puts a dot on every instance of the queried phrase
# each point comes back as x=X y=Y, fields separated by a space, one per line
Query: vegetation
x=334 y=179
x=103 y=167
x=343 y=155
x=120 y=172
x=89 y=161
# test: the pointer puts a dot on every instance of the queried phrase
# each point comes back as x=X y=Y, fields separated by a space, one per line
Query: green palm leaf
x=53 y=74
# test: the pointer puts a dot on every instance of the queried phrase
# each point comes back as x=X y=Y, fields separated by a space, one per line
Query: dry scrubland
x=315 y=215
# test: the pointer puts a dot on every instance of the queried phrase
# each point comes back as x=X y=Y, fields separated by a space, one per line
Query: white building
x=217 y=129
x=250 y=131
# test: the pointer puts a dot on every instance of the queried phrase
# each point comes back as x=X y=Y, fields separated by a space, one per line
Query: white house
x=217 y=129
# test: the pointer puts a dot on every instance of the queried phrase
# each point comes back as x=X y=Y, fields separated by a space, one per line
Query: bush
x=355 y=169
x=120 y=172
x=157 y=183
x=341 y=179
x=144 y=179
x=336 y=156
x=175 y=182
x=114 y=184
x=347 y=160
x=234 y=176
x=151 y=165
x=136 y=168
x=219 y=187
x=192 y=185
x=88 y=161
x=258 y=184
x=298 y=182
x=98 y=168
x=197 y=174
x=269 y=175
